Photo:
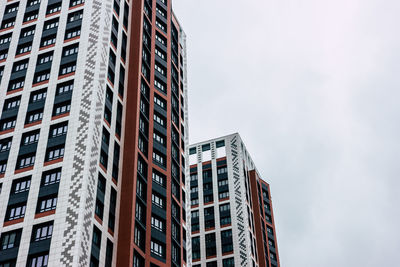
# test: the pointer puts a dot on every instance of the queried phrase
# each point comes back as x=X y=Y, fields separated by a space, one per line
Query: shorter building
x=232 y=222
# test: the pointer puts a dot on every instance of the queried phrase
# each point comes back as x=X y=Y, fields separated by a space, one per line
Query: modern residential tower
x=232 y=222
x=93 y=128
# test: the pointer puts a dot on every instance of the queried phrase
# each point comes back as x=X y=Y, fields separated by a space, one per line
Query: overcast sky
x=312 y=86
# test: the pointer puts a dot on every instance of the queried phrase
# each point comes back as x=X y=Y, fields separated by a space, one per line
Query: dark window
x=109 y=253
x=53 y=8
x=20 y=65
x=226 y=241
x=51 y=177
x=157 y=248
x=25 y=161
x=42 y=231
x=31 y=15
x=10 y=240
x=47 y=203
x=12 y=103
x=15 y=212
x=54 y=153
x=62 y=108
x=50 y=24
x=39 y=95
x=21 y=185
x=48 y=40
x=67 y=68
x=34 y=116
x=72 y=33
x=58 y=129
x=73 y=3
x=196 y=248
x=45 y=58
x=140 y=237
x=75 y=16
x=230 y=262
x=38 y=260
x=65 y=87
x=30 y=138
x=5 y=144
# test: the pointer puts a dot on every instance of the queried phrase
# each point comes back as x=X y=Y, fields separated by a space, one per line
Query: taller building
x=232 y=222
x=92 y=133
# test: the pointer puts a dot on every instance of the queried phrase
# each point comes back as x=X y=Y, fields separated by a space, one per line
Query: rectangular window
x=28 y=31
x=160 y=69
x=24 y=48
x=32 y=3
x=158 y=200
x=5 y=144
x=67 y=68
x=42 y=231
x=10 y=240
x=159 y=119
x=51 y=177
x=75 y=16
x=34 y=116
x=15 y=212
x=73 y=3
x=140 y=237
x=157 y=248
x=30 y=138
x=7 y=124
x=50 y=24
x=39 y=95
x=5 y=39
x=72 y=33
x=160 y=85
x=31 y=16
x=25 y=161
x=44 y=58
x=226 y=241
x=48 y=40
x=157 y=223
x=159 y=158
x=8 y=23
x=230 y=262
x=159 y=101
x=12 y=103
x=70 y=50
x=20 y=65
x=140 y=212
x=21 y=185
x=3 y=166
x=159 y=138
x=55 y=153
x=58 y=129
x=41 y=76
x=16 y=84
x=211 y=248
x=38 y=260
x=196 y=248
x=11 y=8
x=51 y=9
x=65 y=87
x=158 y=178
x=47 y=203
x=62 y=108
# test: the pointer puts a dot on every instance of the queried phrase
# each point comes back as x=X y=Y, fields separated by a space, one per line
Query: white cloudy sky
x=313 y=88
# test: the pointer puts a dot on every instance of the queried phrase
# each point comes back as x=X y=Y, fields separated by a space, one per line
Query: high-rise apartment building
x=92 y=133
x=232 y=222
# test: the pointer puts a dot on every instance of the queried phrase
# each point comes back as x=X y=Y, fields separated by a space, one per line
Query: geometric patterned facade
x=232 y=222
x=70 y=100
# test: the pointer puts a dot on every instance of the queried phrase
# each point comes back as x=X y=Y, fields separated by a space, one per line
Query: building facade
x=153 y=185
x=232 y=222
x=80 y=81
